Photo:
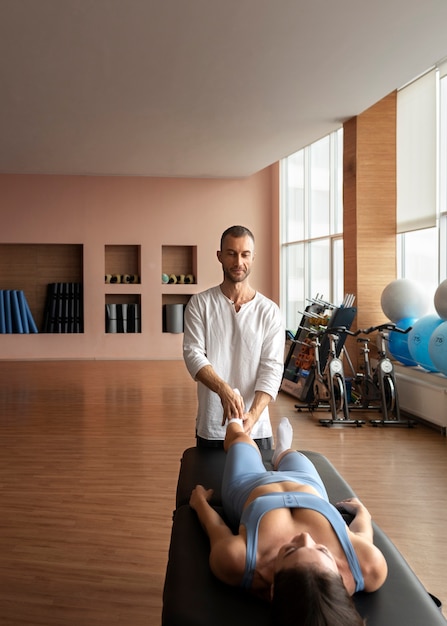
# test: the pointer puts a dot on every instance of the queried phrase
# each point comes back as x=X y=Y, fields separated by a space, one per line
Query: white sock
x=284 y=438
x=236 y=420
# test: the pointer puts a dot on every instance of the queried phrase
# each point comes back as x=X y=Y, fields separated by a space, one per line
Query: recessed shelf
x=179 y=261
x=124 y=290
x=122 y=313
x=177 y=298
x=32 y=267
x=178 y=291
x=122 y=264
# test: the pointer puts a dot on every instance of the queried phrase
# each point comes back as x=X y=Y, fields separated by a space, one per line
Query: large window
x=312 y=226
x=422 y=253
x=312 y=207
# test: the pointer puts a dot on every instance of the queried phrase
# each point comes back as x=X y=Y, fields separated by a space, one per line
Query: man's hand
x=249 y=421
x=261 y=400
x=232 y=404
x=231 y=400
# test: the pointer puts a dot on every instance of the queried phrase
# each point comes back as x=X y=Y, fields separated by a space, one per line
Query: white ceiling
x=201 y=88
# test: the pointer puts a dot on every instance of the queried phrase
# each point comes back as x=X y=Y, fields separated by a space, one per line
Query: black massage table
x=192 y=596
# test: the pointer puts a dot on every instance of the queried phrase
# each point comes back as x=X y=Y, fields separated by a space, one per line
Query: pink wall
x=150 y=212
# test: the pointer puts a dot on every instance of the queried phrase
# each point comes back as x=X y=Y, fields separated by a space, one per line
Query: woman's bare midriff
x=281 y=487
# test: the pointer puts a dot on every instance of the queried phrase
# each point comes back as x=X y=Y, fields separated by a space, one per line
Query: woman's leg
x=235 y=431
x=243 y=466
x=243 y=469
x=292 y=462
x=235 y=434
x=284 y=438
x=297 y=465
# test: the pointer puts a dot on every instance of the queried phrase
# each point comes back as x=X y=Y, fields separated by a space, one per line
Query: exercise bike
x=329 y=385
x=377 y=385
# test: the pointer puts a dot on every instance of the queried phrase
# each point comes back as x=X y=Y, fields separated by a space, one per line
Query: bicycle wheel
x=337 y=397
x=389 y=394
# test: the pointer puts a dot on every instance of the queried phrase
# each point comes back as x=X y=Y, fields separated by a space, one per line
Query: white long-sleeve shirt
x=245 y=348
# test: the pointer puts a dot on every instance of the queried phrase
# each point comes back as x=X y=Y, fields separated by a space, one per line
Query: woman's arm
x=211 y=521
x=361 y=524
x=372 y=561
x=227 y=554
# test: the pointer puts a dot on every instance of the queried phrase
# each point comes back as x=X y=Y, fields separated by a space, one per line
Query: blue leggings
x=245 y=470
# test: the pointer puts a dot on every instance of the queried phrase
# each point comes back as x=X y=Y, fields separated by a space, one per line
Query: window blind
x=442 y=67
x=416 y=154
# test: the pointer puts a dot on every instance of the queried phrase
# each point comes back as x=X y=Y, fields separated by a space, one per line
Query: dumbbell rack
x=298 y=379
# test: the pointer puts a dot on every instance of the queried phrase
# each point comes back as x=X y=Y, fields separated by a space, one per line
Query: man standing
x=234 y=341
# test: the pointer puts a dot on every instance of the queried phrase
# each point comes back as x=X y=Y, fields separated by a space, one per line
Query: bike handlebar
x=339 y=330
x=336 y=330
x=386 y=326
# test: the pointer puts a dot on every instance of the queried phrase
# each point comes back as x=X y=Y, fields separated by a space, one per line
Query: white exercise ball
x=404 y=298
x=440 y=300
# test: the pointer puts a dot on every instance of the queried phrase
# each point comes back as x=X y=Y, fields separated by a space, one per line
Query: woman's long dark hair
x=306 y=596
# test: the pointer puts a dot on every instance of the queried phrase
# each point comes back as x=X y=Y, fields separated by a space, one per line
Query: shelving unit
x=120 y=261
x=177 y=260
x=32 y=267
x=299 y=369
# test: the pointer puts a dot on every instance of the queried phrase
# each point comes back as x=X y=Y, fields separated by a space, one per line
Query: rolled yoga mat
x=174 y=318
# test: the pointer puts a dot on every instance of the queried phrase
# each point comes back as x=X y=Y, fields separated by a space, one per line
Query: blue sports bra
x=254 y=512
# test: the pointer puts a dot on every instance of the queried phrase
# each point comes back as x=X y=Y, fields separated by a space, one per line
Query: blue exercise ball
x=437 y=348
x=398 y=343
x=418 y=340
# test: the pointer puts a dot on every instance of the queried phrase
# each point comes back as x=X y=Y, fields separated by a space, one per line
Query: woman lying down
x=293 y=546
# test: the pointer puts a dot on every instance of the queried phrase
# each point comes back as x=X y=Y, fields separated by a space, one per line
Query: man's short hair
x=236 y=231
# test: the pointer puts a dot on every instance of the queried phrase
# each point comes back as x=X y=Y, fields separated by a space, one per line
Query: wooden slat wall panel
x=370 y=209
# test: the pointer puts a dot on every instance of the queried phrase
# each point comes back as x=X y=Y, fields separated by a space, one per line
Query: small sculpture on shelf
x=125 y=279
x=180 y=279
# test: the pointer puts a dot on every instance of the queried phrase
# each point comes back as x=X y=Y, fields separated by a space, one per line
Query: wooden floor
x=89 y=461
